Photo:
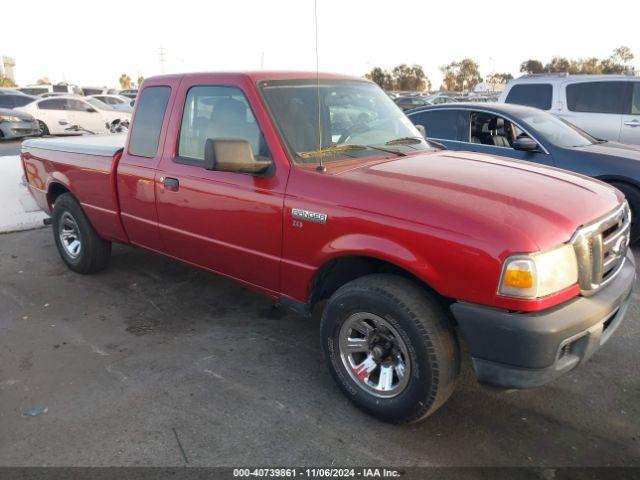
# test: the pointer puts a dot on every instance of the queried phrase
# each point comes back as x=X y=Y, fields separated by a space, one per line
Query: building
x=8 y=68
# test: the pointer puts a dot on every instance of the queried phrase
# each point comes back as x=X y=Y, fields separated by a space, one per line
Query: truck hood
x=489 y=198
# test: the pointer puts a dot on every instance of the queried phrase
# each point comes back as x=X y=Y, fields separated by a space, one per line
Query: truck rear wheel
x=390 y=347
x=78 y=243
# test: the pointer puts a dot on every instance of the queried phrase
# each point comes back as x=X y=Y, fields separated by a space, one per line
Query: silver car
x=16 y=124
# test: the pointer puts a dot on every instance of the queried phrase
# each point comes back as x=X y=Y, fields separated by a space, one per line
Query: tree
x=402 y=77
x=617 y=62
x=140 y=80
x=558 y=64
x=43 y=81
x=6 y=82
x=377 y=75
x=460 y=76
x=622 y=55
x=125 y=81
x=495 y=80
x=532 y=66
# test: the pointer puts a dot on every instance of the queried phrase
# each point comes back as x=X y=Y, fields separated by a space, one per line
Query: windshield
x=557 y=131
x=357 y=120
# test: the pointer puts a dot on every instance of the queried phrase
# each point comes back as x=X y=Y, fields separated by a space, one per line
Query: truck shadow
x=172 y=302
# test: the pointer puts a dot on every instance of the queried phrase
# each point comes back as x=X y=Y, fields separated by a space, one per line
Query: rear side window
x=145 y=131
x=6 y=101
x=53 y=104
x=597 y=97
x=444 y=124
x=536 y=95
x=21 y=100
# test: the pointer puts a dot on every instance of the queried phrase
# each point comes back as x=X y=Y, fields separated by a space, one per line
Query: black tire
x=94 y=253
x=44 y=130
x=422 y=324
x=633 y=197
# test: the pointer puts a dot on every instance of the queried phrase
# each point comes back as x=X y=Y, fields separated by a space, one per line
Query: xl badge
x=309 y=216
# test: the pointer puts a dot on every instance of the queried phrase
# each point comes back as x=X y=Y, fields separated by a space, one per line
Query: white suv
x=605 y=106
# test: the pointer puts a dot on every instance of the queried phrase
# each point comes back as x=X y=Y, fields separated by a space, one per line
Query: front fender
x=297 y=278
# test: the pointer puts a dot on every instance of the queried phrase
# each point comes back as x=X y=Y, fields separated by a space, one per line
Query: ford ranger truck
x=319 y=193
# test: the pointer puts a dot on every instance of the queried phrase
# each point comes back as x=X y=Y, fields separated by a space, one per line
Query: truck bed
x=83 y=165
x=103 y=145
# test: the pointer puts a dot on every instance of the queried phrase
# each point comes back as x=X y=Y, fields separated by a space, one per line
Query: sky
x=93 y=43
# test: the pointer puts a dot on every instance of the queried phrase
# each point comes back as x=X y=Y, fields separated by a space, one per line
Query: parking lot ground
x=129 y=361
x=10 y=147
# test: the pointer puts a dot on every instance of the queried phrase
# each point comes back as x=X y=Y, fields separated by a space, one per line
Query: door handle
x=170 y=183
x=632 y=123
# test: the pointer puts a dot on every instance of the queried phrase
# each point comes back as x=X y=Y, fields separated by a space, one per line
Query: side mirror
x=91 y=110
x=232 y=155
x=422 y=130
x=525 y=144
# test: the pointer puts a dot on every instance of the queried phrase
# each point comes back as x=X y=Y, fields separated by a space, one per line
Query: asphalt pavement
x=10 y=147
x=155 y=363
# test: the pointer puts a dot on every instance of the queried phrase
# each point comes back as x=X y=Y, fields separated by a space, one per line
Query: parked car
x=131 y=93
x=403 y=247
x=56 y=94
x=9 y=91
x=14 y=124
x=406 y=103
x=118 y=102
x=13 y=100
x=87 y=91
x=605 y=106
x=112 y=115
x=526 y=133
x=57 y=88
x=56 y=115
x=438 y=99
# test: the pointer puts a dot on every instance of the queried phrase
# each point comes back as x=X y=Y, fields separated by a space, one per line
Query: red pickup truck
x=319 y=192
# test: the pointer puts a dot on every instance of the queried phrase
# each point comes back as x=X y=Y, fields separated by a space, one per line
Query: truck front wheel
x=390 y=347
x=80 y=247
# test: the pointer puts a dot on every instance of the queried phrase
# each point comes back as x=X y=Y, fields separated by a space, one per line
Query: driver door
x=226 y=222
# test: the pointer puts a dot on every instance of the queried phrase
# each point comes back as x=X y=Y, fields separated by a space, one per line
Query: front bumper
x=19 y=129
x=523 y=350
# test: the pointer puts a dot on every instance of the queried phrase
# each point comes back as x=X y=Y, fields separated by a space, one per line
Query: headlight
x=9 y=118
x=539 y=274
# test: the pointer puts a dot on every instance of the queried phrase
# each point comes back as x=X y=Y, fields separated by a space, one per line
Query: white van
x=65 y=88
x=605 y=106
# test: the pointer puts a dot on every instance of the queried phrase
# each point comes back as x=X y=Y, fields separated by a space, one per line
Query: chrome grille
x=601 y=247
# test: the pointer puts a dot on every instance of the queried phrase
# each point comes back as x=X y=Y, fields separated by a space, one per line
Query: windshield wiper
x=328 y=150
x=346 y=148
x=405 y=141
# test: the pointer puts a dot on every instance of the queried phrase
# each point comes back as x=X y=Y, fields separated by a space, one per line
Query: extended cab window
x=536 y=95
x=217 y=112
x=444 y=124
x=597 y=97
x=145 y=131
